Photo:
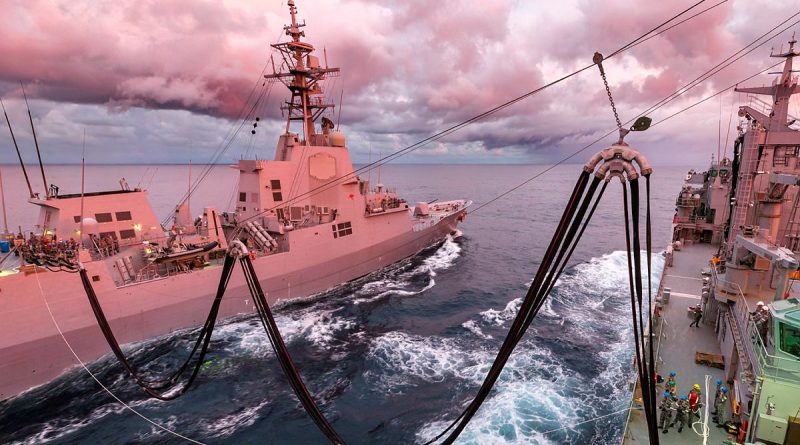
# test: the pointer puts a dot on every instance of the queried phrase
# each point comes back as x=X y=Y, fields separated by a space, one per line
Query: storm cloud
x=163 y=81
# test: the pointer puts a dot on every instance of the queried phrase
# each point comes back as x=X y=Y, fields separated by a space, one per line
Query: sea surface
x=394 y=356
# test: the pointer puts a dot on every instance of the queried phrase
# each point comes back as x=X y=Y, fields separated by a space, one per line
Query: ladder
x=746 y=368
x=97 y=247
x=744 y=189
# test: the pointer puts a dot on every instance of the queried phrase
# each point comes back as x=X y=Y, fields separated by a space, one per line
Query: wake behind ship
x=309 y=220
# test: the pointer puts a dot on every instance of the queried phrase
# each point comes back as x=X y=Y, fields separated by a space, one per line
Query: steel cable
x=476 y=118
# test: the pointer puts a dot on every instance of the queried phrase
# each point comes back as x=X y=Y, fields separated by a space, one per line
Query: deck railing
x=780 y=368
x=686 y=219
x=688 y=202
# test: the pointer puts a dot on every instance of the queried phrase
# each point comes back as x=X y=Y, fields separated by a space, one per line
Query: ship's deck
x=677 y=344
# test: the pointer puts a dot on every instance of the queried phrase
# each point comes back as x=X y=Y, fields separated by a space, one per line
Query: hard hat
x=683 y=397
x=696 y=386
x=666 y=394
x=719 y=382
x=673 y=373
x=724 y=389
x=760 y=303
x=671 y=383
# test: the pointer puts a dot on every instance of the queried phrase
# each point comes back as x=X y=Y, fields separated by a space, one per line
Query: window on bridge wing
x=790 y=339
x=342 y=229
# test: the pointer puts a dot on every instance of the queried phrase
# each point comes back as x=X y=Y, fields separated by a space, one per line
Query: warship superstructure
x=734 y=256
x=309 y=220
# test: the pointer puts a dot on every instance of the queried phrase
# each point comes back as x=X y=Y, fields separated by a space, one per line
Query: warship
x=732 y=266
x=309 y=222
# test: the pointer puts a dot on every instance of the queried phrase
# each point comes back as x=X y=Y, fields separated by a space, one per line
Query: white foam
x=473 y=327
x=602 y=277
x=512 y=416
x=317 y=326
x=229 y=424
x=402 y=358
x=444 y=257
x=56 y=429
x=524 y=403
x=498 y=318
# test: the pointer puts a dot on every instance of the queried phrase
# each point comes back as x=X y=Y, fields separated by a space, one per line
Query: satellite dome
x=337 y=139
x=90 y=225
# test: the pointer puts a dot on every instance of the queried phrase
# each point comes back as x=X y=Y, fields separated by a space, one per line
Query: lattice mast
x=773 y=123
x=301 y=73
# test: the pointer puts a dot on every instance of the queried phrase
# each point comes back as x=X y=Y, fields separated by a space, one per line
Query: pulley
x=620 y=160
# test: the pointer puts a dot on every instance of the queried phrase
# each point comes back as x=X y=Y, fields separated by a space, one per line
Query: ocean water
x=394 y=356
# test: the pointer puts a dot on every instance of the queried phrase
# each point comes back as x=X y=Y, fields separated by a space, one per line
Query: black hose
x=646 y=370
x=282 y=353
x=530 y=305
x=151 y=387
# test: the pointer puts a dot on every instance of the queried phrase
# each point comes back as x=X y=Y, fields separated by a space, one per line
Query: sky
x=164 y=81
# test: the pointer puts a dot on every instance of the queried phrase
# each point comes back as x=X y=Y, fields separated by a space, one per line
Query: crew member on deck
x=682 y=415
x=694 y=400
x=698 y=314
x=719 y=406
x=667 y=407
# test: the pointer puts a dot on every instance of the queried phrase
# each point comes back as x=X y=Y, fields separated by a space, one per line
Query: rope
x=402 y=152
x=661 y=103
x=94 y=377
x=703 y=422
x=227 y=141
x=587 y=421
x=726 y=62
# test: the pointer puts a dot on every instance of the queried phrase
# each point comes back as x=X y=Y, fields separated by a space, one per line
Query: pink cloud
x=410 y=67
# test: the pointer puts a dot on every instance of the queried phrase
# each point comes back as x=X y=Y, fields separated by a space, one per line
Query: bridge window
x=275 y=184
x=123 y=216
x=277 y=196
x=242 y=197
x=127 y=234
x=790 y=339
x=103 y=217
x=77 y=219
